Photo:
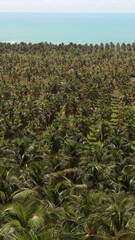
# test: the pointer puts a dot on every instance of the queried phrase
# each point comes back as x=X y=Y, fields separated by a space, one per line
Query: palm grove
x=67 y=141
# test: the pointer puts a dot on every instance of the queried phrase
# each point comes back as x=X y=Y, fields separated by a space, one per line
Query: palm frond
x=24 y=193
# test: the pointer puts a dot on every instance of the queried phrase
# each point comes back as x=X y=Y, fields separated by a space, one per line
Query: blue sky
x=67 y=5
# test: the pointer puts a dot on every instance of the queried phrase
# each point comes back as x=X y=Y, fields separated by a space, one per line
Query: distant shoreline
x=57 y=44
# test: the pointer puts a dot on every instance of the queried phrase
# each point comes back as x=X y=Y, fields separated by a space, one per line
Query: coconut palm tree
x=114 y=223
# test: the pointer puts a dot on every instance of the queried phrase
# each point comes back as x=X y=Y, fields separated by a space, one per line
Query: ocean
x=67 y=27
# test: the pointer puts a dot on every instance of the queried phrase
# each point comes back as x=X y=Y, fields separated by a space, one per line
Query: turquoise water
x=67 y=27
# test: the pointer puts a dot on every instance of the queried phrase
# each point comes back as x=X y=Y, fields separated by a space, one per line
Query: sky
x=118 y=6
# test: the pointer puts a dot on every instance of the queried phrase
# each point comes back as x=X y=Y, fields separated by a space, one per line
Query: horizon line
x=73 y=12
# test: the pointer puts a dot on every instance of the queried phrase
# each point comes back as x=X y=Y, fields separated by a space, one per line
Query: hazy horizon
x=76 y=12
x=63 y=6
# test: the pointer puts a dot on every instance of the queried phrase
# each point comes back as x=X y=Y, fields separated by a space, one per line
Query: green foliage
x=67 y=141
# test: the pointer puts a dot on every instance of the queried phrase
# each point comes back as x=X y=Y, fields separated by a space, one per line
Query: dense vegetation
x=67 y=141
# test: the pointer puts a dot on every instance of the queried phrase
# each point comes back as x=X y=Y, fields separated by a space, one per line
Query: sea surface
x=67 y=27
